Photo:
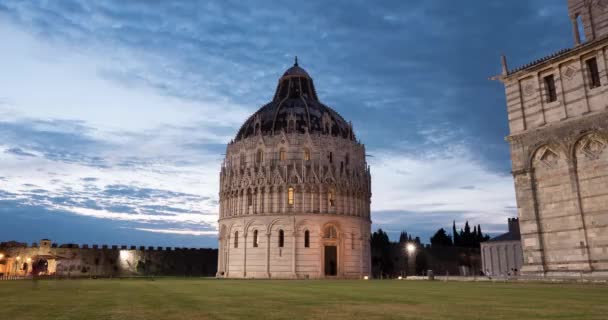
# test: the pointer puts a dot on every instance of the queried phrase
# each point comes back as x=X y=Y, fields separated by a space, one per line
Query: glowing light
x=411 y=248
x=365 y=278
x=28 y=259
x=18 y=258
x=400 y=278
x=1 y=256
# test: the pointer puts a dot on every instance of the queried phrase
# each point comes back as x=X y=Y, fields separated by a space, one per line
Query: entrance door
x=331 y=261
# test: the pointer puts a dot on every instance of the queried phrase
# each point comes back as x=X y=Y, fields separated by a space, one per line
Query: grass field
x=259 y=299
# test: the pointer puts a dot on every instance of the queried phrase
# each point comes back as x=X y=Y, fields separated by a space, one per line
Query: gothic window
x=259 y=156
x=292 y=126
x=330 y=198
x=282 y=155
x=331 y=157
x=346 y=159
x=594 y=74
x=255 y=238
x=290 y=196
x=236 y=239
x=306 y=154
x=550 y=88
x=330 y=233
x=242 y=159
x=281 y=238
x=249 y=198
x=306 y=239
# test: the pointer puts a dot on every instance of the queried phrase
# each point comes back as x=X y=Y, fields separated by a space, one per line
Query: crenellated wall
x=104 y=260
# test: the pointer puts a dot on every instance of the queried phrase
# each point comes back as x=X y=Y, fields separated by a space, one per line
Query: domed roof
x=295 y=107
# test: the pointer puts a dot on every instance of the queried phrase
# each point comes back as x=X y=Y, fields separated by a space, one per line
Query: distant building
x=46 y=258
x=295 y=191
x=558 y=118
x=502 y=255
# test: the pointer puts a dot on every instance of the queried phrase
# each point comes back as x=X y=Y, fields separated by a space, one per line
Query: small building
x=502 y=255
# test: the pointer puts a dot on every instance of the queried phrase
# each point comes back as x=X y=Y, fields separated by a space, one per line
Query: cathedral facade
x=295 y=191
x=558 y=119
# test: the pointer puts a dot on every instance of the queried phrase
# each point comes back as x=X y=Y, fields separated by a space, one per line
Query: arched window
x=259 y=157
x=282 y=155
x=281 y=238
x=331 y=157
x=346 y=159
x=306 y=239
x=290 y=196
x=581 y=28
x=330 y=198
x=236 y=239
x=306 y=154
x=242 y=159
x=249 y=198
x=255 y=238
x=330 y=233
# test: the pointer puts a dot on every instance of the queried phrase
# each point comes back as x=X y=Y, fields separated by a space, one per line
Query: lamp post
x=411 y=257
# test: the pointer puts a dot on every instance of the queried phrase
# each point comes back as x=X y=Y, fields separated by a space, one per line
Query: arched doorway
x=40 y=266
x=330 y=251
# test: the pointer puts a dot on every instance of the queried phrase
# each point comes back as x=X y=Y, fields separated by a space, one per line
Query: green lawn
x=260 y=299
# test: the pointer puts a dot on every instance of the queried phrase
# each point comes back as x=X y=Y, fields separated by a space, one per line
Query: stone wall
x=266 y=258
x=558 y=159
x=103 y=260
x=528 y=105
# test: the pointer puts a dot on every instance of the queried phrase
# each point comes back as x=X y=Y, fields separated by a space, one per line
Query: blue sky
x=114 y=114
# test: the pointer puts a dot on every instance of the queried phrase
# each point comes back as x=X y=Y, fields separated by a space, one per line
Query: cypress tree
x=455 y=235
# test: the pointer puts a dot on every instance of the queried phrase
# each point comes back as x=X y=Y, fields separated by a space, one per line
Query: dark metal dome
x=295 y=108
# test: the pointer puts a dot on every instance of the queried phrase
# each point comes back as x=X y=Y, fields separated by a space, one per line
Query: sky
x=114 y=115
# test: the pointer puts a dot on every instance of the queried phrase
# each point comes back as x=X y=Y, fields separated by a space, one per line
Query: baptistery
x=295 y=191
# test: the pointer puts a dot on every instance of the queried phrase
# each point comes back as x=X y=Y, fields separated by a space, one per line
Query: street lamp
x=411 y=248
x=411 y=257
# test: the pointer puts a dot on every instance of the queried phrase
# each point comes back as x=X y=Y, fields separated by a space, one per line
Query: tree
x=455 y=235
x=441 y=239
x=403 y=237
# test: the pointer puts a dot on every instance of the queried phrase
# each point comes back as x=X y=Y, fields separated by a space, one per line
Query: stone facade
x=502 y=255
x=46 y=258
x=558 y=119
x=295 y=192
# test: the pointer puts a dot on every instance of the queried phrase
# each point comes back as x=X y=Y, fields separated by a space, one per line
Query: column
x=529 y=219
x=244 y=252
x=574 y=183
x=541 y=90
x=361 y=256
x=268 y=254
x=294 y=248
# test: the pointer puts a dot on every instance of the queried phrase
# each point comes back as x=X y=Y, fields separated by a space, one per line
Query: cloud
x=131 y=105
x=19 y=152
x=433 y=193
x=182 y=231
